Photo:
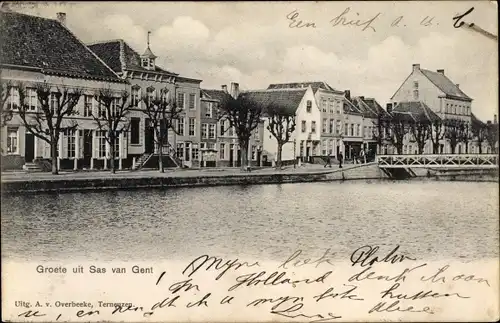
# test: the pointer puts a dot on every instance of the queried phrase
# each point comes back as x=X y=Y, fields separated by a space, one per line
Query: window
x=330 y=106
x=331 y=125
x=415 y=94
x=209 y=110
x=415 y=85
x=211 y=131
x=165 y=95
x=358 y=130
x=302 y=148
x=187 y=147
x=221 y=125
x=135 y=97
x=87 y=105
x=346 y=129
x=70 y=134
x=313 y=126
x=254 y=152
x=180 y=100
x=101 y=142
x=192 y=129
x=32 y=99
x=323 y=129
x=180 y=150
x=115 y=106
x=352 y=130
x=330 y=147
x=222 y=151
x=256 y=133
x=230 y=130
x=337 y=105
x=145 y=62
x=204 y=130
x=13 y=98
x=180 y=126
x=303 y=126
x=117 y=147
x=135 y=130
x=323 y=105
x=339 y=126
x=211 y=145
x=309 y=106
x=12 y=140
x=195 y=153
x=192 y=101
x=101 y=111
x=324 y=147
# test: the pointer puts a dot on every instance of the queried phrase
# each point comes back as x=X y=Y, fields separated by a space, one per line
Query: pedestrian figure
x=341 y=159
x=329 y=160
x=363 y=156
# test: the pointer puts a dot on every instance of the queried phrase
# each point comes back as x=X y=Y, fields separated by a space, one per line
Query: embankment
x=357 y=172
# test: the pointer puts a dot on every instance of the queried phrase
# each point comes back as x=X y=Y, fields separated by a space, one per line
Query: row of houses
x=328 y=121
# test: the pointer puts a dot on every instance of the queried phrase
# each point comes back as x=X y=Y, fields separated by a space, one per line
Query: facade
x=372 y=112
x=330 y=124
x=29 y=57
x=304 y=140
x=352 y=129
x=147 y=79
x=440 y=94
x=226 y=147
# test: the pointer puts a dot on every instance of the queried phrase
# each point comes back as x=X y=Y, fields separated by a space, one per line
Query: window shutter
x=64 y=152
x=124 y=145
x=80 y=144
x=95 y=144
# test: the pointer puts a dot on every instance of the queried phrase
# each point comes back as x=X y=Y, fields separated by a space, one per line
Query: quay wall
x=363 y=172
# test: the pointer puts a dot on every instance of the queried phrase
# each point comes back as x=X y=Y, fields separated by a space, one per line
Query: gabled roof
x=219 y=95
x=445 y=84
x=418 y=111
x=301 y=85
x=350 y=107
x=44 y=44
x=287 y=99
x=475 y=122
x=120 y=57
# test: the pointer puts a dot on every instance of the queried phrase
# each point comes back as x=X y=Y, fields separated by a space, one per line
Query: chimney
x=389 y=107
x=362 y=98
x=440 y=71
x=235 y=90
x=347 y=94
x=224 y=88
x=416 y=67
x=495 y=121
x=61 y=17
x=458 y=85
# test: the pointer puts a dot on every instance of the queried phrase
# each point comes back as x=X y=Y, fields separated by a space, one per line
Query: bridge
x=448 y=161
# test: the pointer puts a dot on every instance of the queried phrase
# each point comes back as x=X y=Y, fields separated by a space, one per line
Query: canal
x=435 y=220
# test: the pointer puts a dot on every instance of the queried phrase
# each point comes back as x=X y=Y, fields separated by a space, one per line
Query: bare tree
x=6 y=110
x=381 y=128
x=47 y=119
x=454 y=132
x=466 y=134
x=479 y=131
x=492 y=135
x=244 y=116
x=112 y=117
x=398 y=127
x=162 y=112
x=421 y=131
x=281 y=126
x=437 y=134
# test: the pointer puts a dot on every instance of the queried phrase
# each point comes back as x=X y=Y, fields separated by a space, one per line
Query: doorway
x=149 y=138
x=29 y=147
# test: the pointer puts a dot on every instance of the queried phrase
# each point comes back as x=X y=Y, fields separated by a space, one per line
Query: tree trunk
x=480 y=145
x=435 y=147
x=399 y=148
x=244 y=154
x=160 y=157
x=453 y=146
x=54 y=152
x=421 y=147
x=278 y=160
x=112 y=157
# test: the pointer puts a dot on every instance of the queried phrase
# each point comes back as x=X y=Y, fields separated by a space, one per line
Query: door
x=29 y=147
x=231 y=155
x=259 y=155
x=87 y=144
x=149 y=138
x=238 y=161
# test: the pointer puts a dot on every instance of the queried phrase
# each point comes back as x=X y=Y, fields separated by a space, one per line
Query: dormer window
x=145 y=62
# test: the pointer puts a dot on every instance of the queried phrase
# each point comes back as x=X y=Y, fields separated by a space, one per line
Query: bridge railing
x=438 y=161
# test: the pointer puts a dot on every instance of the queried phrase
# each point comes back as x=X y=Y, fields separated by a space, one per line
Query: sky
x=256 y=44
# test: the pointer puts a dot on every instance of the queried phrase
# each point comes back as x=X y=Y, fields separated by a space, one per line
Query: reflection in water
x=431 y=220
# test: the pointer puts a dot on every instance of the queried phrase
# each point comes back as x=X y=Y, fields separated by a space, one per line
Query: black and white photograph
x=330 y=161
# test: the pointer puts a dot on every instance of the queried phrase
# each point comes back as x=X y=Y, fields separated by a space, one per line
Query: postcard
x=249 y=161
